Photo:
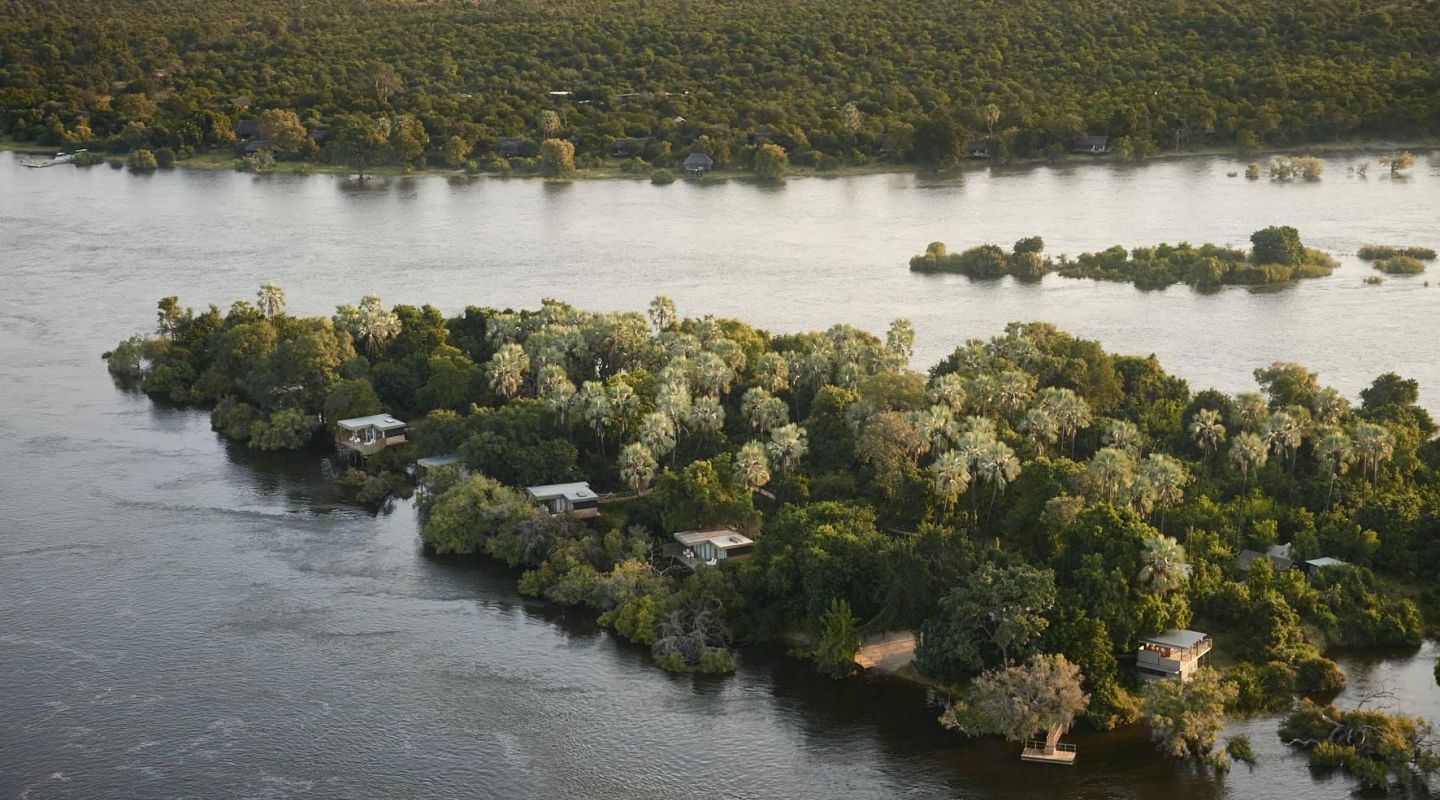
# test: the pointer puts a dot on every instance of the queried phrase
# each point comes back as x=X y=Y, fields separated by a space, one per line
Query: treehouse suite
x=1172 y=654
x=366 y=436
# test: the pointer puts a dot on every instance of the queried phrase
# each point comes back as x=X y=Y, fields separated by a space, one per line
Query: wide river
x=184 y=618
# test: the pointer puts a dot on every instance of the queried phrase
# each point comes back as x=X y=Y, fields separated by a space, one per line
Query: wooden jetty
x=1046 y=754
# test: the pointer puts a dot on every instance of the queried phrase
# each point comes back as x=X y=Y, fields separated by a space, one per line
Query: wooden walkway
x=887 y=652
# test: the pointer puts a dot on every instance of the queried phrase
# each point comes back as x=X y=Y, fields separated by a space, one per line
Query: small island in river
x=1277 y=256
x=1055 y=524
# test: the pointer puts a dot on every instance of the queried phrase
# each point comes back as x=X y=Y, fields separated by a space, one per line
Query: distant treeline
x=1278 y=256
x=846 y=82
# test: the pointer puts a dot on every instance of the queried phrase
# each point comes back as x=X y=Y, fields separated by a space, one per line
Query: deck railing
x=1040 y=746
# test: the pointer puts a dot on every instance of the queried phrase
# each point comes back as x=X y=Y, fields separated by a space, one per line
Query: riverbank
x=225 y=160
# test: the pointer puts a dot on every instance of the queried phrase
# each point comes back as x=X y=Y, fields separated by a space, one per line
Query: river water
x=183 y=618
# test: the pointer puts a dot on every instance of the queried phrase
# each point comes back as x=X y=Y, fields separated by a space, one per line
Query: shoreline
x=225 y=161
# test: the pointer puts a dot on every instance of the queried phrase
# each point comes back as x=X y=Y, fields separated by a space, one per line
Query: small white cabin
x=713 y=546
x=567 y=498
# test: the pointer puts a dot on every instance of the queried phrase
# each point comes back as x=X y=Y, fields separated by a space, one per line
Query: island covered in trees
x=1032 y=505
x=744 y=82
x=1277 y=256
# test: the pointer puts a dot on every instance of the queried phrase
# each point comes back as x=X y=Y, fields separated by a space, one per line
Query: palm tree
x=556 y=391
x=662 y=313
x=948 y=390
x=1165 y=478
x=1013 y=390
x=900 y=339
x=270 y=300
x=971 y=447
x=1373 y=446
x=752 y=469
x=1336 y=452
x=997 y=466
x=1284 y=434
x=712 y=374
x=1163 y=565
x=637 y=466
x=1112 y=472
x=657 y=433
x=786 y=447
x=673 y=400
x=1251 y=410
x=1208 y=431
x=706 y=416
x=772 y=372
x=1329 y=406
x=1248 y=452
x=936 y=426
x=983 y=392
x=813 y=371
x=507 y=370
x=1041 y=427
x=1070 y=410
x=624 y=402
x=371 y=322
x=594 y=405
x=764 y=410
x=1123 y=435
x=950 y=476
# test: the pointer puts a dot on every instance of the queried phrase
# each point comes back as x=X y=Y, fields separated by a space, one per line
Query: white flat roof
x=1327 y=561
x=383 y=421
x=431 y=462
x=569 y=491
x=1175 y=638
x=721 y=538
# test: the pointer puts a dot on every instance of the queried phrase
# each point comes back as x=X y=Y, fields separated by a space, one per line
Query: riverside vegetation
x=644 y=84
x=1031 y=505
x=1278 y=256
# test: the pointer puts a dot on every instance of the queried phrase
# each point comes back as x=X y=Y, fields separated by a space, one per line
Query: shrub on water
x=1401 y=265
x=662 y=177
x=1380 y=252
x=143 y=161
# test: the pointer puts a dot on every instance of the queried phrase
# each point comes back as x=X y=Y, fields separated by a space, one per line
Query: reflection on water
x=185 y=617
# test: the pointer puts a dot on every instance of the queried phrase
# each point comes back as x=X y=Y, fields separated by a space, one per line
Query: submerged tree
x=1369 y=744
x=1186 y=717
x=1019 y=702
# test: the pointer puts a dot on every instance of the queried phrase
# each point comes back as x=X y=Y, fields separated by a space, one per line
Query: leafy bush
x=1401 y=265
x=286 y=429
x=142 y=161
x=1380 y=252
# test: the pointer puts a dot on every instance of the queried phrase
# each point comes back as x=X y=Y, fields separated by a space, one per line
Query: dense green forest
x=831 y=83
x=1032 y=505
x=1278 y=256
